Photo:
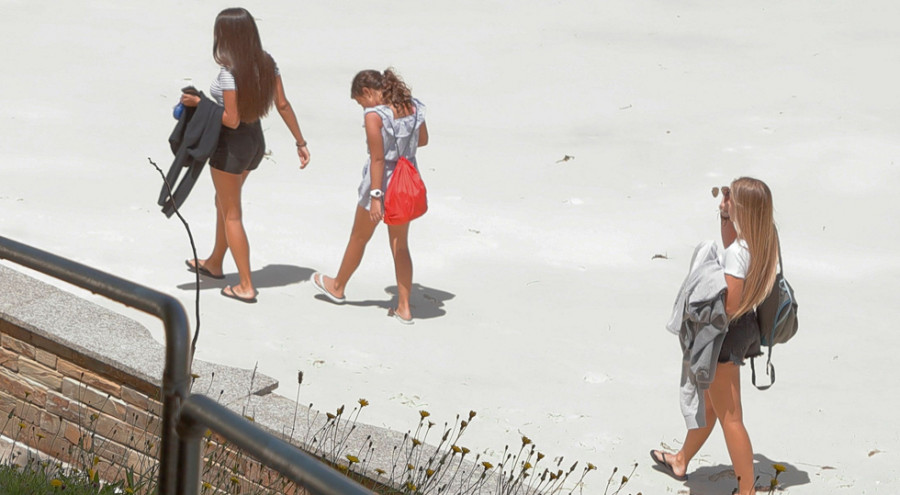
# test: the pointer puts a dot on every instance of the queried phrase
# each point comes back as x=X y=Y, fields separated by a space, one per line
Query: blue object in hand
x=176 y=112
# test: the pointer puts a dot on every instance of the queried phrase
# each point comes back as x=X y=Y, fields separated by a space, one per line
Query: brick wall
x=63 y=404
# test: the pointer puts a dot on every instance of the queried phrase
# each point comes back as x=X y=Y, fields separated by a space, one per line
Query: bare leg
x=213 y=263
x=228 y=200
x=363 y=228
x=403 y=269
x=725 y=393
x=693 y=440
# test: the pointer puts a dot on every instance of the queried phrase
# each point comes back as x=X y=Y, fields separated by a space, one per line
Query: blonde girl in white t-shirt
x=750 y=260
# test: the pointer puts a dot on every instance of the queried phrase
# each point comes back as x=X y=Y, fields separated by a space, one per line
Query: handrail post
x=200 y=413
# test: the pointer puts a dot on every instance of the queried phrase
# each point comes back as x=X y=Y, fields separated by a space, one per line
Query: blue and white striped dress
x=406 y=138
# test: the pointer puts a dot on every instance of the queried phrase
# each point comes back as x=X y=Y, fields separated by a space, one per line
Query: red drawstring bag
x=406 y=197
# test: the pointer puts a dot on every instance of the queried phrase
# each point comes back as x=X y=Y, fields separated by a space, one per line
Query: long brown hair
x=394 y=91
x=237 y=47
x=755 y=223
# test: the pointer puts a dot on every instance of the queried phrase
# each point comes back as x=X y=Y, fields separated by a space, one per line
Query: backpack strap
x=770 y=368
x=400 y=152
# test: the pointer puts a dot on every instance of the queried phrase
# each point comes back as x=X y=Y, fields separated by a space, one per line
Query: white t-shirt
x=736 y=259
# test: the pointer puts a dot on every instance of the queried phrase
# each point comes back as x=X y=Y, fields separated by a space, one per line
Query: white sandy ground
x=538 y=303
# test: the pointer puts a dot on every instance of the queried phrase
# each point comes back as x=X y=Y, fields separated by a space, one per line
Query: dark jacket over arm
x=193 y=140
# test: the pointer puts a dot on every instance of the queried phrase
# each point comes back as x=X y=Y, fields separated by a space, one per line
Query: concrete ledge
x=110 y=343
x=107 y=343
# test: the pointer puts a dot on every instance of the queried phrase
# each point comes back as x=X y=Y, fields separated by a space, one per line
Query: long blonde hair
x=754 y=216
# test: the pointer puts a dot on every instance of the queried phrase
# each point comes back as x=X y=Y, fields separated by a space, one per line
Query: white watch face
x=375 y=193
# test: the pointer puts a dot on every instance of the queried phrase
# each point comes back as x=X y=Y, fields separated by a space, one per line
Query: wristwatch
x=376 y=193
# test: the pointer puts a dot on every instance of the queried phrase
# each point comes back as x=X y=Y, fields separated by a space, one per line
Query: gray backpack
x=777 y=318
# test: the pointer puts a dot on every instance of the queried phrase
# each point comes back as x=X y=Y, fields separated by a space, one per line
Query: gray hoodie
x=699 y=319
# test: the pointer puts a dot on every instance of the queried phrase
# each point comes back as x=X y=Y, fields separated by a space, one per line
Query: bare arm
x=376 y=164
x=734 y=294
x=423 y=135
x=729 y=233
x=230 y=117
x=290 y=120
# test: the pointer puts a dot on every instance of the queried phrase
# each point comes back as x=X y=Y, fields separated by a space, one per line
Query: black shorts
x=239 y=149
x=742 y=340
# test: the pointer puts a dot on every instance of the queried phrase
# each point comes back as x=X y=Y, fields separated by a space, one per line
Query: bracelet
x=300 y=145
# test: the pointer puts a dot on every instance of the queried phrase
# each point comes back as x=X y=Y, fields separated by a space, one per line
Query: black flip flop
x=231 y=295
x=198 y=268
x=665 y=466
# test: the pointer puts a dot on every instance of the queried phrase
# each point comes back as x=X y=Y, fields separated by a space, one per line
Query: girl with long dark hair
x=248 y=85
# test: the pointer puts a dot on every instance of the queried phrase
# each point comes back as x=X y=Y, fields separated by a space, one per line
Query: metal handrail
x=176 y=375
x=201 y=412
x=179 y=457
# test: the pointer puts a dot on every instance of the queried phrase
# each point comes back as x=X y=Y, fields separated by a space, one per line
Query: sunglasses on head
x=726 y=192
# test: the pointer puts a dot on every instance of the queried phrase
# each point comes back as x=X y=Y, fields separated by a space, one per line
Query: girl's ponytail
x=395 y=91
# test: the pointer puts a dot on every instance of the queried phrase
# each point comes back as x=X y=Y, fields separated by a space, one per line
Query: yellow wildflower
x=773 y=483
x=525 y=440
x=363 y=403
x=55 y=483
x=352 y=458
x=424 y=414
x=380 y=471
x=779 y=468
x=487 y=465
x=456 y=449
x=429 y=472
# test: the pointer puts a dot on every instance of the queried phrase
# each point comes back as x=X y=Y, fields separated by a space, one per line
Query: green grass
x=44 y=478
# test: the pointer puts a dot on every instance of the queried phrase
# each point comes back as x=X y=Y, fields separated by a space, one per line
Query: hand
x=189 y=100
x=376 y=210
x=303 y=153
x=724 y=207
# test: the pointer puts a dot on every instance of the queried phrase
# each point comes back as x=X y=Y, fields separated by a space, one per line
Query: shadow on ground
x=266 y=277
x=720 y=479
x=426 y=302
